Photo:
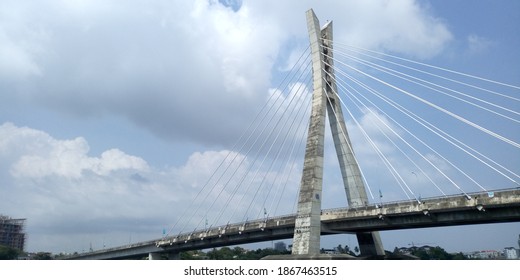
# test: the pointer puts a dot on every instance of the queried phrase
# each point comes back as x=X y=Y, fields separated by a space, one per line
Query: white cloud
x=405 y=27
x=292 y=97
x=478 y=44
x=160 y=63
x=376 y=126
x=64 y=191
x=408 y=27
x=40 y=155
x=115 y=159
x=17 y=58
x=200 y=167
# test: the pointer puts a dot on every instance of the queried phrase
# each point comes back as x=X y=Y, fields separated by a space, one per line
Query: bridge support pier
x=169 y=256
x=370 y=244
x=154 y=256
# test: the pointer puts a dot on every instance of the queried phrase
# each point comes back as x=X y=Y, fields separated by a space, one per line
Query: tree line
x=279 y=248
x=9 y=253
x=236 y=253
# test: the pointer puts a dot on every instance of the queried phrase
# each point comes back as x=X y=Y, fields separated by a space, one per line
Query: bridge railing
x=223 y=229
x=422 y=200
x=271 y=221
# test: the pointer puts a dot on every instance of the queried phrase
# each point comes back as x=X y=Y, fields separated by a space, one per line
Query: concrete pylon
x=307 y=228
x=307 y=232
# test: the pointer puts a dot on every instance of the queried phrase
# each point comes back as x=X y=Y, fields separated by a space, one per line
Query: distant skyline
x=113 y=116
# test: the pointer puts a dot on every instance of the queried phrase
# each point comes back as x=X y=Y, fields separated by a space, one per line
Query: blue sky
x=112 y=116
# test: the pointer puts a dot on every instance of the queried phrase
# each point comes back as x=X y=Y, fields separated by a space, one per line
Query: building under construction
x=12 y=232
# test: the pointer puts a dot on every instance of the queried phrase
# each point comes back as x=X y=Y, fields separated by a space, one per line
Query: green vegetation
x=236 y=253
x=279 y=248
x=42 y=256
x=343 y=250
x=8 y=253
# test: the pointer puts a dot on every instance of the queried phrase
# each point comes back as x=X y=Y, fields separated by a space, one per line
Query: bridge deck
x=485 y=207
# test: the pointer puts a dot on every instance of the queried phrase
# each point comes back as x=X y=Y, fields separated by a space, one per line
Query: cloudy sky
x=113 y=114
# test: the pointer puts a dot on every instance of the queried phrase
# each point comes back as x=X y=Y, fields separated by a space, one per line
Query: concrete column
x=352 y=180
x=154 y=256
x=369 y=243
x=307 y=229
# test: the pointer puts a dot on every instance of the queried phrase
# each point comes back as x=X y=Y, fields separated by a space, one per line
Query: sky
x=113 y=115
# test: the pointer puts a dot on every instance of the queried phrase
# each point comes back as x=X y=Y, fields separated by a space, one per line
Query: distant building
x=410 y=250
x=484 y=255
x=329 y=251
x=511 y=253
x=12 y=232
x=404 y=250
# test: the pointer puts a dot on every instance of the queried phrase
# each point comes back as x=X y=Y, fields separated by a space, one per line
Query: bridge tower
x=307 y=230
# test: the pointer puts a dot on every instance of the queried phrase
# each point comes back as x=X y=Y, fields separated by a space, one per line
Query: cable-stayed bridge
x=446 y=142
